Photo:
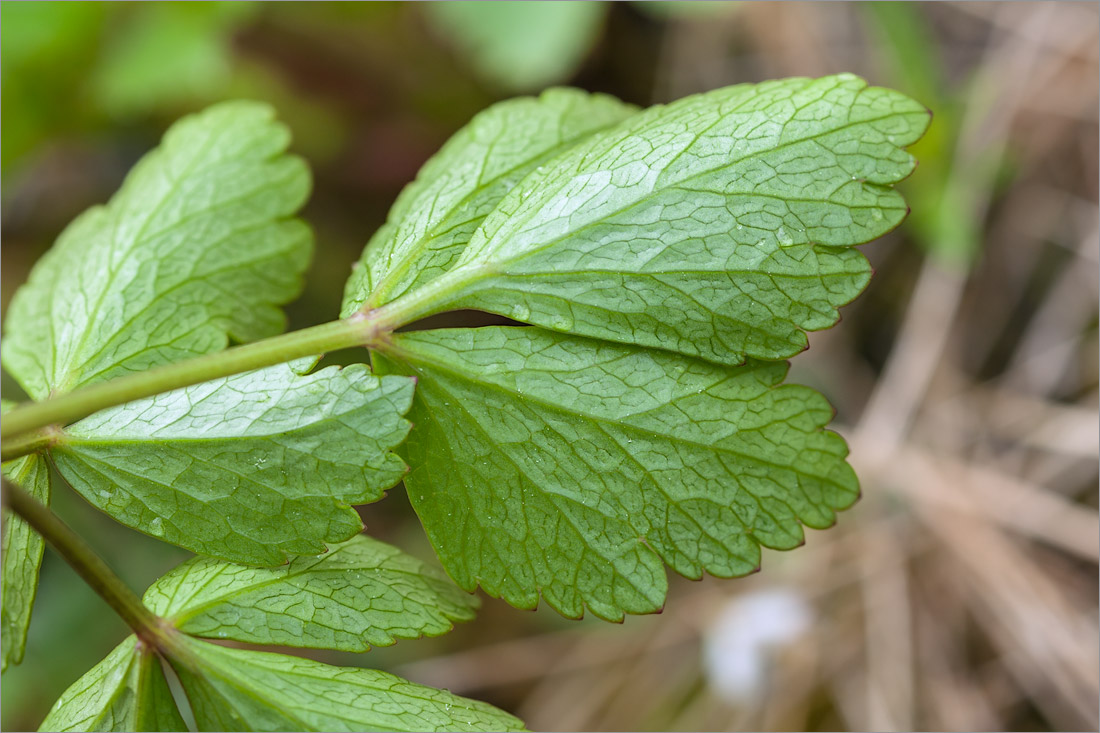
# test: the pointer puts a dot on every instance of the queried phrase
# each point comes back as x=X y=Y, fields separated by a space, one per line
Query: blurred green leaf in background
x=166 y=54
x=44 y=49
x=946 y=198
x=72 y=70
x=688 y=10
x=519 y=46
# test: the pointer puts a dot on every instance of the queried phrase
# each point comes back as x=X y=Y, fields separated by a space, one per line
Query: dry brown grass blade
x=1048 y=643
x=948 y=484
x=954 y=699
x=888 y=630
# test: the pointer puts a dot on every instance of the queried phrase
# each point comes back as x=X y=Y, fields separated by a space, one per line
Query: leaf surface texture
x=250 y=468
x=718 y=226
x=22 y=557
x=237 y=689
x=362 y=593
x=197 y=247
x=434 y=217
x=571 y=468
x=127 y=691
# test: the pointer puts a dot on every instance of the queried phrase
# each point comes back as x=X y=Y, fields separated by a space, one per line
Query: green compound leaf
x=127 y=691
x=435 y=216
x=197 y=247
x=22 y=557
x=250 y=468
x=362 y=593
x=519 y=46
x=552 y=464
x=235 y=689
x=718 y=226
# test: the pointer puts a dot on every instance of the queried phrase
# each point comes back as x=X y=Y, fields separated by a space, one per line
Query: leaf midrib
x=410 y=254
x=539 y=590
x=657 y=484
x=189 y=613
x=206 y=280
x=462 y=280
x=657 y=190
x=248 y=686
x=174 y=183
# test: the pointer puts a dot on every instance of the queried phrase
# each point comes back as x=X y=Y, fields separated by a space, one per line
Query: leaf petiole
x=366 y=328
x=357 y=330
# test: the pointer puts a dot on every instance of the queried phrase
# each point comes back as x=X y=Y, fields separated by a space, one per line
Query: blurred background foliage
x=960 y=594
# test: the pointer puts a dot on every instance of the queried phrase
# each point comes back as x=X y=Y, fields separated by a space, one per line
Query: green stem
x=25 y=443
x=369 y=327
x=428 y=299
x=90 y=567
x=358 y=330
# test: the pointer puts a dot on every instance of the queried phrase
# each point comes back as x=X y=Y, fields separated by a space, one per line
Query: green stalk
x=369 y=328
x=358 y=330
x=434 y=296
x=25 y=443
x=90 y=567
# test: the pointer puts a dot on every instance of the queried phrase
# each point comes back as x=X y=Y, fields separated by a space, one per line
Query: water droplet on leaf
x=562 y=323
